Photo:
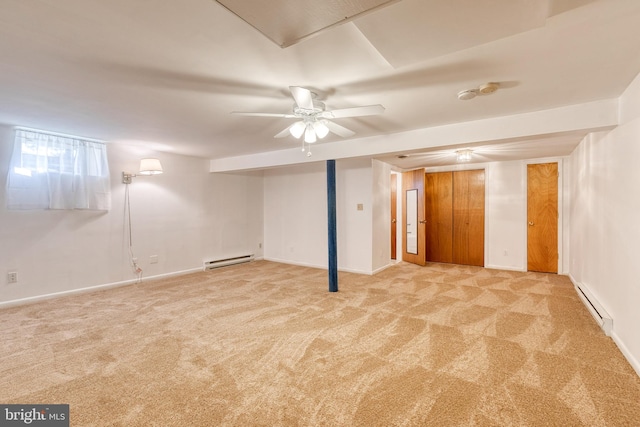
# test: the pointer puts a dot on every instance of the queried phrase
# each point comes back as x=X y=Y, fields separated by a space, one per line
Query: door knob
x=393 y=221
x=530 y=223
x=423 y=222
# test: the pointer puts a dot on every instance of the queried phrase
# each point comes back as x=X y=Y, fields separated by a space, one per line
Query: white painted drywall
x=185 y=216
x=354 y=186
x=506 y=201
x=295 y=215
x=604 y=228
x=381 y=221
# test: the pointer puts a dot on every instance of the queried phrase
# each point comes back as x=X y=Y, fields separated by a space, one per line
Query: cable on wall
x=132 y=259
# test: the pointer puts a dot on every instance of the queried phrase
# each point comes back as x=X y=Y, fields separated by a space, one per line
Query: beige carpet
x=265 y=344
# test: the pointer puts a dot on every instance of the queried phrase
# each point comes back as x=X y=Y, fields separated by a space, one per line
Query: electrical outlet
x=12 y=277
x=259 y=245
x=153 y=259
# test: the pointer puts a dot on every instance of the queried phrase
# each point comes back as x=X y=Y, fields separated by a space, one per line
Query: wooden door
x=394 y=215
x=542 y=217
x=468 y=217
x=438 y=200
x=413 y=223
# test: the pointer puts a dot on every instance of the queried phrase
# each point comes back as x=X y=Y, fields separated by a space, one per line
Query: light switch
x=360 y=207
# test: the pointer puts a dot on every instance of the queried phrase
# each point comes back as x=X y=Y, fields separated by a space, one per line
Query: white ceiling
x=166 y=75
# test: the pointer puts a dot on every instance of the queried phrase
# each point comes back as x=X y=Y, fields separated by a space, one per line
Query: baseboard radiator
x=597 y=311
x=216 y=263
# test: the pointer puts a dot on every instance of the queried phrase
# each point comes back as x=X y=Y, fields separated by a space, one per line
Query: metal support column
x=333 y=235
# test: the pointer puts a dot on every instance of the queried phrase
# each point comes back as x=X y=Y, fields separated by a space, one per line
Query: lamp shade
x=150 y=167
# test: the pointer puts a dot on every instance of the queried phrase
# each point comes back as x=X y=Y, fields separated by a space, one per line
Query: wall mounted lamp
x=147 y=167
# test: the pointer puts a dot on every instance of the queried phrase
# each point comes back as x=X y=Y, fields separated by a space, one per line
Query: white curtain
x=58 y=172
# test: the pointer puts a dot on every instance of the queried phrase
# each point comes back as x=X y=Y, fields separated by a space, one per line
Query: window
x=51 y=171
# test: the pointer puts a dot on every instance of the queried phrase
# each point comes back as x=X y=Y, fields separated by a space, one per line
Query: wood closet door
x=542 y=213
x=468 y=217
x=438 y=190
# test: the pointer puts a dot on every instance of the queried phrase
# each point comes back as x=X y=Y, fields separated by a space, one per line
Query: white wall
x=604 y=228
x=354 y=186
x=295 y=214
x=381 y=210
x=506 y=215
x=184 y=216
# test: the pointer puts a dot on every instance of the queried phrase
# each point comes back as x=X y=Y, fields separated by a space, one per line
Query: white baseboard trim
x=383 y=268
x=626 y=353
x=29 y=300
x=321 y=267
x=300 y=264
x=598 y=312
x=635 y=364
x=503 y=267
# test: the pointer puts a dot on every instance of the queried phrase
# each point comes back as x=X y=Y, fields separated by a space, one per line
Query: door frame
x=393 y=181
x=561 y=202
x=408 y=183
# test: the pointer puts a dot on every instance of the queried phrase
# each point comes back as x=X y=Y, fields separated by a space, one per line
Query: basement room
x=349 y=213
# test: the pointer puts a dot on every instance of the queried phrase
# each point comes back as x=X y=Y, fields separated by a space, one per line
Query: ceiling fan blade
x=246 y=113
x=367 y=110
x=302 y=96
x=283 y=133
x=339 y=130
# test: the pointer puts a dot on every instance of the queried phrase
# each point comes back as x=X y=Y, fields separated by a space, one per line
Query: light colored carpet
x=265 y=344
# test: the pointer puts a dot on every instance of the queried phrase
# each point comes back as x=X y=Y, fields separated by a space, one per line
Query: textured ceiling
x=166 y=75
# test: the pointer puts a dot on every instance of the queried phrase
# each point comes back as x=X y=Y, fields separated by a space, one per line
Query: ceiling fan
x=313 y=118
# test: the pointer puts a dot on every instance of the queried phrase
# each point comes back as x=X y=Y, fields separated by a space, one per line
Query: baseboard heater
x=216 y=263
x=599 y=314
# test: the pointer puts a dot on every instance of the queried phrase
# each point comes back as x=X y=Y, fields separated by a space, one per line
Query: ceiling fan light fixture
x=312 y=117
x=297 y=129
x=321 y=129
x=464 y=155
x=310 y=134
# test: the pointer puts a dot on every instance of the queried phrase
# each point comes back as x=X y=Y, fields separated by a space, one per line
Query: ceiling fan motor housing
x=318 y=107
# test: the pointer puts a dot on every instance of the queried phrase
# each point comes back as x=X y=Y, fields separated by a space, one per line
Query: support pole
x=331 y=216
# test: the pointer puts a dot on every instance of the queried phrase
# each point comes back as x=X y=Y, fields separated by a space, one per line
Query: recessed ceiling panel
x=287 y=22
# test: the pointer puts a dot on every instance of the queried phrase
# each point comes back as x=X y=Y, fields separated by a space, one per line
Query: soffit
x=413 y=31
